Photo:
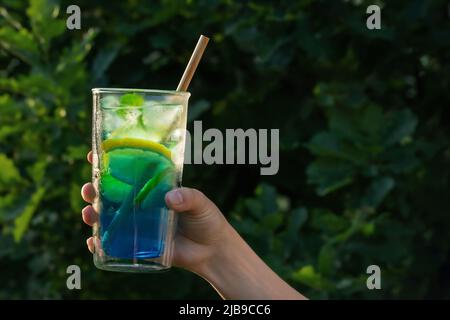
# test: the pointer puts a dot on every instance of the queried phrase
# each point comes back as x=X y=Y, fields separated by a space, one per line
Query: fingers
x=190 y=201
x=89 y=215
x=90 y=244
x=88 y=192
x=89 y=157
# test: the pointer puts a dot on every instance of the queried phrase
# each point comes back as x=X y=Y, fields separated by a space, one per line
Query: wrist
x=236 y=272
x=233 y=268
x=220 y=254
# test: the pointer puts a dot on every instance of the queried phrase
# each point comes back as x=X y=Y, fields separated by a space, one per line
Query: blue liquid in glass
x=132 y=226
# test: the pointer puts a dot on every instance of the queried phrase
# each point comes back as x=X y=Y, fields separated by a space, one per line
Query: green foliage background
x=363 y=118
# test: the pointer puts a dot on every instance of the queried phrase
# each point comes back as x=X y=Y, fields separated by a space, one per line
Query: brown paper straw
x=193 y=63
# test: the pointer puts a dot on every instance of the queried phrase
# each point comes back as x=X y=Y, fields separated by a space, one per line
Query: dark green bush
x=364 y=137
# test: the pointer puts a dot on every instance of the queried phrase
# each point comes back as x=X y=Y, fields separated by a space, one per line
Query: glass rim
x=149 y=91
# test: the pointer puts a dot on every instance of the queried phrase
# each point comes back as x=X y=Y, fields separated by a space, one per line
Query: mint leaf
x=132 y=100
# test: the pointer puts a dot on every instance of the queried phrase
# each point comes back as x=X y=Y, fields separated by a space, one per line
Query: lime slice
x=155 y=198
x=113 y=189
x=152 y=184
x=135 y=166
x=134 y=161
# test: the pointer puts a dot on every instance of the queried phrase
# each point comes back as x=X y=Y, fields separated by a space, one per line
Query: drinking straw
x=193 y=63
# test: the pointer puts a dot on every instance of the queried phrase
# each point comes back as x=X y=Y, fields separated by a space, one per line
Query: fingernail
x=175 y=197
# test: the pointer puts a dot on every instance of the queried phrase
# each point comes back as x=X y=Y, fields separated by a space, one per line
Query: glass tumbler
x=138 y=139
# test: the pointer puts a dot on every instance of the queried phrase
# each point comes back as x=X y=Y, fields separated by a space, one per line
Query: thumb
x=190 y=201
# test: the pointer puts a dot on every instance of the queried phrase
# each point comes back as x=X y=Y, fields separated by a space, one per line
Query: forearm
x=237 y=272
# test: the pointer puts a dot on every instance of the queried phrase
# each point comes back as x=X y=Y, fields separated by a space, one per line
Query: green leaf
x=296 y=220
x=329 y=176
x=308 y=276
x=37 y=171
x=69 y=69
x=329 y=145
x=132 y=100
x=37 y=84
x=15 y=4
x=20 y=43
x=345 y=123
x=329 y=222
x=400 y=159
x=368 y=229
x=43 y=15
x=6 y=131
x=325 y=144
x=103 y=60
x=267 y=195
x=377 y=191
x=76 y=203
x=73 y=193
x=326 y=259
x=272 y=221
x=76 y=152
x=372 y=120
x=8 y=173
x=400 y=125
x=23 y=220
x=161 y=41
x=254 y=206
x=7 y=104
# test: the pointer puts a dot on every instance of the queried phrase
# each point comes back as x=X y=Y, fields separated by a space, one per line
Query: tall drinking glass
x=138 y=144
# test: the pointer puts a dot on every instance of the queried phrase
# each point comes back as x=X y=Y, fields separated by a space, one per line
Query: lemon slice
x=118 y=143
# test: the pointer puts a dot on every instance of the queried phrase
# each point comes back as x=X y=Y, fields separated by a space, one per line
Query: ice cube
x=109 y=101
x=177 y=135
x=161 y=118
x=128 y=131
x=111 y=120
